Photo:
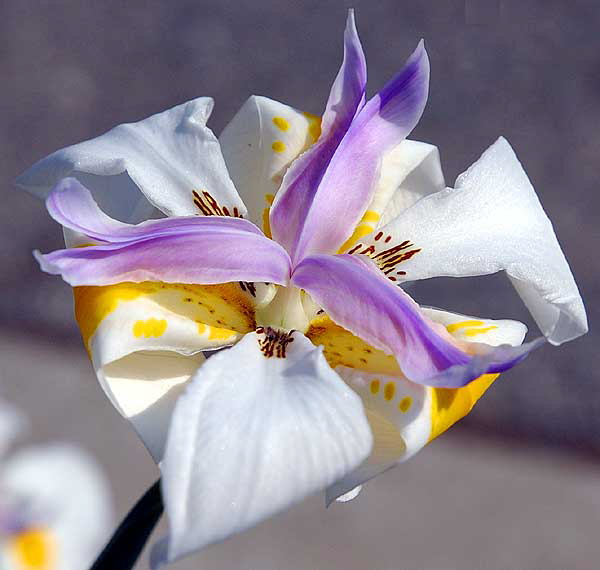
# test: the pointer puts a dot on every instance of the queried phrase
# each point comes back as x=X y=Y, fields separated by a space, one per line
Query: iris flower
x=54 y=503
x=288 y=239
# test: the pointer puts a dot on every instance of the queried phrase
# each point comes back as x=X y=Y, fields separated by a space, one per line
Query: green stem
x=128 y=541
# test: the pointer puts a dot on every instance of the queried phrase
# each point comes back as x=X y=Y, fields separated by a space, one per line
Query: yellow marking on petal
x=448 y=405
x=405 y=404
x=341 y=347
x=314 y=126
x=475 y=332
x=266 y=222
x=223 y=306
x=33 y=549
x=363 y=228
x=278 y=146
x=389 y=391
x=375 y=386
x=281 y=123
x=215 y=333
x=149 y=328
x=463 y=324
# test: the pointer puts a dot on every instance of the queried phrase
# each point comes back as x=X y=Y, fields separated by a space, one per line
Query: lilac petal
x=360 y=299
x=212 y=253
x=346 y=98
x=346 y=188
x=72 y=205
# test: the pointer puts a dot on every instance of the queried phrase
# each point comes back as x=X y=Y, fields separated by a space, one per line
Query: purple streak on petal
x=72 y=205
x=346 y=98
x=346 y=188
x=214 y=255
x=362 y=300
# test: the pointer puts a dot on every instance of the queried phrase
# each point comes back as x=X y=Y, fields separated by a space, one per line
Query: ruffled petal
x=336 y=201
x=172 y=157
x=405 y=416
x=261 y=426
x=66 y=511
x=492 y=221
x=259 y=144
x=360 y=299
x=145 y=342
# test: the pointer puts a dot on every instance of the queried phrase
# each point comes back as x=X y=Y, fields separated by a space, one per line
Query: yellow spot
x=33 y=549
x=375 y=386
x=266 y=222
x=389 y=391
x=215 y=333
x=463 y=324
x=278 y=146
x=363 y=228
x=405 y=404
x=314 y=126
x=448 y=405
x=222 y=306
x=475 y=332
x=341 y=347
x=149 y=328
x=281 y=123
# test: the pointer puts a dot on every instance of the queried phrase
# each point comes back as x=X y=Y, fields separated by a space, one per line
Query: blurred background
x=517 y=484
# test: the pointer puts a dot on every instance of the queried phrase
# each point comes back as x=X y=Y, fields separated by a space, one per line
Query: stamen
x=274 y=342
x=210 y=207
x=388 y=259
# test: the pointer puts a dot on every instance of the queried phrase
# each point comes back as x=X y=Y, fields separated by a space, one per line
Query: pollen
x=278 y=146
x=149 y=328
x=405 y=404
x=281 y=123
x=374 y=386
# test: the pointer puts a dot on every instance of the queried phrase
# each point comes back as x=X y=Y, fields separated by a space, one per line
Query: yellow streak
x=363 y=228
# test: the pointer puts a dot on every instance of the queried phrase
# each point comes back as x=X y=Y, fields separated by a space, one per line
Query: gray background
x=516 y=485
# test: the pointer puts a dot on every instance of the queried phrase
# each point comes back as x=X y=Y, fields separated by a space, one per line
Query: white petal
x=405 y=416
x=491 y=221
x=253 y=435
x=259 y=144
x=145 y=341
x=64 y=487
x=408 y=172
x=167 y=156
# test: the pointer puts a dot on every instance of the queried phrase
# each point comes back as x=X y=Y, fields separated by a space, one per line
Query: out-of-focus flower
x=55 y=511
x=336 y=373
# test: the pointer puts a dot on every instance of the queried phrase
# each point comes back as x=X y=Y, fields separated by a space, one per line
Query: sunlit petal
x=254 y=434
x=492 y=221
x=172 y=157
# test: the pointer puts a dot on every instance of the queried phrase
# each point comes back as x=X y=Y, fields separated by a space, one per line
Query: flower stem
x=128 y=541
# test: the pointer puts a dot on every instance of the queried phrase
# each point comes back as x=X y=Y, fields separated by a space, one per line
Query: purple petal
x=346 y=188
x=346 y=98
x=72 y=205
x=213 y=255
x=202 y=250
x=360 y=299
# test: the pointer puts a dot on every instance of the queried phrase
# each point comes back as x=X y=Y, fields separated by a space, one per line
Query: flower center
x=290 y=309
